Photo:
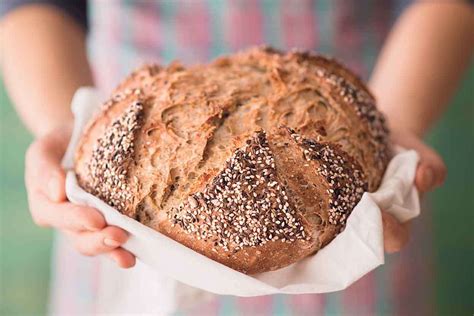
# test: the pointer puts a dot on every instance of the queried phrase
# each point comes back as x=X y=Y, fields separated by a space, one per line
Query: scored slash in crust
x=246 y=205
x=345 y=177
x=107 y=168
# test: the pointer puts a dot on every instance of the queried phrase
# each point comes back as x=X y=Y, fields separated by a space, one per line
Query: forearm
x=43 y=63
x=422 y=63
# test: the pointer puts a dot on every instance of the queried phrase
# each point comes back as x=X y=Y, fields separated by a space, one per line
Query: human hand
x=430 y=173
x=49 y=207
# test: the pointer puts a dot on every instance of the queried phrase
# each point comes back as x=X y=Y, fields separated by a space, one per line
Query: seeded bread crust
x=255 y=160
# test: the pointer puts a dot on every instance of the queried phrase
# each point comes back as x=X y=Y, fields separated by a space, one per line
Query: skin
x=41 y=45
x=416 y=75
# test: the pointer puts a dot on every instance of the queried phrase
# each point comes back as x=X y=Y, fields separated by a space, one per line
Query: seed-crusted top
x=120 y=96
x=365 y=108
x=245 y=205
x=107 y=168
x=344 y=176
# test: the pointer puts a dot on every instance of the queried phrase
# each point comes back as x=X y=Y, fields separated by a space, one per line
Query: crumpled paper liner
x=352 y=254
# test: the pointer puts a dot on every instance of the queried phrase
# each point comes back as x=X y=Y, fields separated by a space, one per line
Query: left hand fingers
x=431 y=171
x=95 y=243
x=122 y=258
x=395 y=234
x=430 y=174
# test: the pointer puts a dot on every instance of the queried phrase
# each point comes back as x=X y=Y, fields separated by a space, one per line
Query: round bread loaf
x=254 y=160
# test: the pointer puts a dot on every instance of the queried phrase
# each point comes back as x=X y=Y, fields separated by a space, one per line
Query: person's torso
x=125 y=34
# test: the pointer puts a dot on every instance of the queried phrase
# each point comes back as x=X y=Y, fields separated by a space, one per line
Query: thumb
x=431 y=171
x=56 y=190
x=424 y=178
x=43 y=170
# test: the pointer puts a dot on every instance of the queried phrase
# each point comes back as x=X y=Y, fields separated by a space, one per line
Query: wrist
x=401 y=114
x=397 y=123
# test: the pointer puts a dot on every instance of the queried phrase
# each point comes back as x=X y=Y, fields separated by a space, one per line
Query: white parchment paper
x=352 y=254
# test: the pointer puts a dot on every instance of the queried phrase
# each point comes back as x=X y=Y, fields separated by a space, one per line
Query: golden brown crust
x=298 y=132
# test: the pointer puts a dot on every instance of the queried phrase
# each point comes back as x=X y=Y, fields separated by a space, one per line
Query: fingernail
x=111 y=243
x=428 y=178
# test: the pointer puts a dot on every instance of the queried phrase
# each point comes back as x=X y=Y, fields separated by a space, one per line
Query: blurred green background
x=25 y=249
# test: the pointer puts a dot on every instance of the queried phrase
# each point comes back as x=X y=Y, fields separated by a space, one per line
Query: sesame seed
x=346 y=182
x=106 y=170
x=249 y=215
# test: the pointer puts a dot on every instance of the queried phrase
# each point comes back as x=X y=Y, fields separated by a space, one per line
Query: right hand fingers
x=64 y=215
x=45 y=183
x=122 y=257
x=95 y=243
x=107 y=241
x=43 y=170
